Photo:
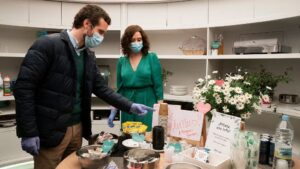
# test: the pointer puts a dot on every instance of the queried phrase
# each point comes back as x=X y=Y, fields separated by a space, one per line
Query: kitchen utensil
x=130 y=144
x=182 y=166
x=91 y=162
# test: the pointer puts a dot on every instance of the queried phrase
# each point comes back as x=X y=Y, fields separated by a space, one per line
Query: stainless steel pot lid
x=141 y=155
x=182 y=165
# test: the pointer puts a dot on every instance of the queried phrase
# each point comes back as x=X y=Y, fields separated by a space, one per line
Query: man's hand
x=31 y=145
x=140 y=109
x=111 y=117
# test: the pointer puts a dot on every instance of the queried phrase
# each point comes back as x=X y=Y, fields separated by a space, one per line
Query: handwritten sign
x=185 y=124
x=221 y=132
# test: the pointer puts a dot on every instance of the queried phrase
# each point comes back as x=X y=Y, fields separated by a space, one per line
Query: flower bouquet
x=232 y=95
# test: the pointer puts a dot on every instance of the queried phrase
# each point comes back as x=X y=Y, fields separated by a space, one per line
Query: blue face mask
x=93 y=41
x=136 y=47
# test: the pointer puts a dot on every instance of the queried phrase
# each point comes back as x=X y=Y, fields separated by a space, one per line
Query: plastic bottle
x=1 y=85
x=6 y=86
x=283 y=144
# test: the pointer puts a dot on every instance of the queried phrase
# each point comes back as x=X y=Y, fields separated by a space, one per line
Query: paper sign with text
x=185 y=124
x=221 y=132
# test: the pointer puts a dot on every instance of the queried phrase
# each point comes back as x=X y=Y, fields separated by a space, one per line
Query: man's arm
x=101 y=90
x=33 y=69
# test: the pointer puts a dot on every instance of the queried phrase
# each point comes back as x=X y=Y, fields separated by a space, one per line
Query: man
x=54 y=87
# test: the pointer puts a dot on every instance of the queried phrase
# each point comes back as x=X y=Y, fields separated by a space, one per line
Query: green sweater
x=79 y=63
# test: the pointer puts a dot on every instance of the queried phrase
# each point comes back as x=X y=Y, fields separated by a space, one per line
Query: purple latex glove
x=140 y=109
x=31 y=145
x=111 y=117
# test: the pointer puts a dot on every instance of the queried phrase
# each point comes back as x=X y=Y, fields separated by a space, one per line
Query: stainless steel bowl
x=182 y=166
x=91 y=163
x=141 y=159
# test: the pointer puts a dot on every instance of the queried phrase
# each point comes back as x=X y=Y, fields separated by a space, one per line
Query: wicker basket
x=193 y=52
x=195 y=45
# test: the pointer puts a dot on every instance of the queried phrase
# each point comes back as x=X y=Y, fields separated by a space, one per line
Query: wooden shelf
x=103 y=121
x=100 y=107
x=8 y=110
x=184 y=57
x=258 y=56
x=102 y=56
x=188 y=57
x=292 y=110
x=12 y=55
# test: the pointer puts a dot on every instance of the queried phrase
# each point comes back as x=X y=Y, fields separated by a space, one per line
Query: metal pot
x=91 y=163
x=141 y=159
x=182 y=165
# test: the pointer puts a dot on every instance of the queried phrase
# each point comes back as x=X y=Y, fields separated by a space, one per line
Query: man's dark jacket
x=46 y=87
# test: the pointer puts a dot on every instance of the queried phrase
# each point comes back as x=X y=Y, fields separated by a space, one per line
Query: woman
x=139 y=76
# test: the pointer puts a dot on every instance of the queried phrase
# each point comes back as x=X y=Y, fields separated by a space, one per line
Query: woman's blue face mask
x=136 y=47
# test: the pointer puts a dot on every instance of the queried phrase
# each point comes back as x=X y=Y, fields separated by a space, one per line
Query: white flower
x=216 y=95
x=213 y=111
x=226 y=92
x=248 y=96
x=247 y=83
x=203 y=90
x=202 y=99
x=240 y=106
x=215 y=72
x=237 y=77
x=238 y=90
x=226 y=99
x=232 y=101
x=265 y=98
x=248 y=101
x=228 y=79
x=208 y=77
x=269 y=88
x=225 y=109
x=218 y=100
x=200 y=81
x=217 y=88
x=242 y=99
x=211 y=82
x=226 y=85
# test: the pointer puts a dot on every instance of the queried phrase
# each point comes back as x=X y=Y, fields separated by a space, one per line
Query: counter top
x=71 y=162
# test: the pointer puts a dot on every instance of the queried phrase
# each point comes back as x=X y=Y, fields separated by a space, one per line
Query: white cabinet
x=148 y=16
x=190 y=14
x=45 y=13
x=275 y=9
x=226 y=12
x=14 y=12
x=114 y=11
x=69 y=10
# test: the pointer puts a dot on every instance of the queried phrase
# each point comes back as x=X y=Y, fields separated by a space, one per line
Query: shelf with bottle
x=277 y=39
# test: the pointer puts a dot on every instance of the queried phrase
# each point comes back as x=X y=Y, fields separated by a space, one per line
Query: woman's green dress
x=144 y=85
